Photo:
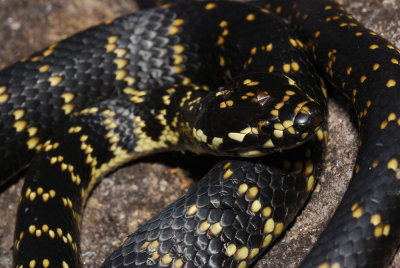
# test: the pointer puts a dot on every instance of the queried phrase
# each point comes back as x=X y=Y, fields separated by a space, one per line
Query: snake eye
x=263 y=127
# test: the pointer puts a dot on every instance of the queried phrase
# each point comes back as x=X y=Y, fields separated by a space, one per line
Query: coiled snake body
x=235 y=213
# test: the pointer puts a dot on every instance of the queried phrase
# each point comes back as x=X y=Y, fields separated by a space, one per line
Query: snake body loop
x=225 y=78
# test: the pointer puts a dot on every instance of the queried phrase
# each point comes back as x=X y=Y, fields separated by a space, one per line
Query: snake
x=227 y=219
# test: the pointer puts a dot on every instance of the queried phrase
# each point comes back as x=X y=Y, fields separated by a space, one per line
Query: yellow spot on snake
x=309 y=168
x=267 y=240
x=68 y=108
x=178 y=48
x=32 y=264
x=384 y=124
x=249 y=82
x=243 y=188
x=393 y=164
x=204 y=226
x=254 y=252
x=178 y=263
x=110 y=47
x=46 y=263
x=38 y=233
x=269 y=144
x=4 y=98
x=242 y=253
x=210 y=6
x=216 y=141
x=293 y=42
x=154 y=245
x=391 y=83
x=119 y=52
x=278 y=134
x=376 y=219
x=178 y=59
x=357 y=211
x=250 y=17
x=32 y=142
x=223 y=24
x=236 y=136
x=68 y=97
x=44 y=68
x=286 y=67
x=227 y=174
x=295 y=66
x=20 y=125
x=192 y=210
x=166 y=259
x=52 y=234
x=120 y=74
x=215 y=229
x=256 y=206
x=375 y=164
x=227 y=165
x=230 y=250
x=55 y=80
x=242 y=264
x=221 y=61
x=36 y=58
x=173 y=30
x=18 y=114
x=278 y=228
x=373 y=46
x=155 y=256
x=121 y=63
x=310 y=183
x=386 y=229
x=252 y=192
x=269 y=226
x=145 y=244
x=112 y=39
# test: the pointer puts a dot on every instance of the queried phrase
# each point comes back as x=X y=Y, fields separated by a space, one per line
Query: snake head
x=257 y=114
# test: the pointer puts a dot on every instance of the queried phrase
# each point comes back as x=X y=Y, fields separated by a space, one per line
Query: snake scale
x=383 y=228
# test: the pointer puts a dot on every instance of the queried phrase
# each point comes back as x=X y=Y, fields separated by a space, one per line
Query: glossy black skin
x=219 y=202
x=255 y=112
x=139 y=121
x=350 y=239
x=83 y=57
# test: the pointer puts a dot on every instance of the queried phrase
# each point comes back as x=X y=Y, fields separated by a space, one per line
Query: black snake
x=381 y=227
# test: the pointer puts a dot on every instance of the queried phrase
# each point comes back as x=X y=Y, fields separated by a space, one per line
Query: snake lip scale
x=147 y=89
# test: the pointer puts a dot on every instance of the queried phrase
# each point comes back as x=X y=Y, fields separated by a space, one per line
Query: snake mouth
x=265 y=137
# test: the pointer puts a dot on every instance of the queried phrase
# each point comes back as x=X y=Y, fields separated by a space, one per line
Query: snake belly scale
x=111 y=115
